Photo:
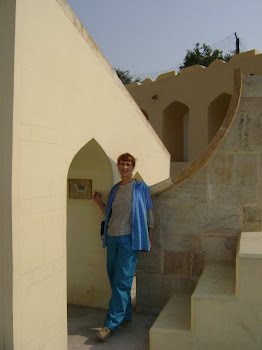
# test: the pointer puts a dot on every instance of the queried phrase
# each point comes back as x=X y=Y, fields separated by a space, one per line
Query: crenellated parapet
x=187 y=109
x=239 y=58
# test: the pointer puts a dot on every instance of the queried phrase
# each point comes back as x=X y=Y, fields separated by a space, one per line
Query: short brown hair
x=126 y=157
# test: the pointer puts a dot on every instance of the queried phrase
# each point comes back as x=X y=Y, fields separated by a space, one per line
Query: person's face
x=125 y=168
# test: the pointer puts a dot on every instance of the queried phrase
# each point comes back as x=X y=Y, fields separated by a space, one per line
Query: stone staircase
x=225 y=310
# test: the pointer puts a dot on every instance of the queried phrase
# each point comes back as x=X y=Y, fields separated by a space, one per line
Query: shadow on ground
x=84 y=322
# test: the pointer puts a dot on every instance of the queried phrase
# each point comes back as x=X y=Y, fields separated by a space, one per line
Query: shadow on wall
x=145 y=113
x=87 y=282
x=217 y=111
x=175 y=131
x=176 y=125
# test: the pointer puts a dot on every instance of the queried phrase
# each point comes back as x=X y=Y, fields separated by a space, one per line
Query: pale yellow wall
x=87 y=279
x=65 y=94
x=196 y=87
x=7 y=31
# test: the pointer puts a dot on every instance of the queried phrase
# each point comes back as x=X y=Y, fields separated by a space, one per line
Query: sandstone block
x=251 y=105
x=181 y=236
x=156 y=210
x=252 y=218
x=201 y=175
x=183 y=263
x=233 y=194
x=188 y=191
x=151 y=262
x=219 y=247
x=245 y=169
x=245 y=132
x=181 y=212
x=220 y=169
x=253 y=87
x=156 y=237
x=260 y=169
x=222 y=218
x=153 y=291
x=178 y=263
x=198 y=263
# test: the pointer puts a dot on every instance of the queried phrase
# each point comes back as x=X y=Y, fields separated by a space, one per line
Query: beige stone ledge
x=242 y=55
x=147 y=81
x=250 y=245
x=216 y=63
x=195 y=68
x=161 y=187
x=167 y=75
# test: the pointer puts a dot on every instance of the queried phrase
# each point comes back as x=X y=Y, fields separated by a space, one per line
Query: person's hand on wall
x=97 y=195
x=98 y=199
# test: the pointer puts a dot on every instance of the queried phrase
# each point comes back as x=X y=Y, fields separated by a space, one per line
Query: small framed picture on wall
x=80 y=189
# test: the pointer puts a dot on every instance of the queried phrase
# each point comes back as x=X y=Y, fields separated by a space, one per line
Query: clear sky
x=147 y=36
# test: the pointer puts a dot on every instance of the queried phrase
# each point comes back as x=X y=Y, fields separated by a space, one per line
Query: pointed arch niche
x=175 y=131
x=217 y=111
x=87 y=282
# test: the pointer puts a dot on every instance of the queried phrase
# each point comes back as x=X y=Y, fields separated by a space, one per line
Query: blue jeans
x=121 y=264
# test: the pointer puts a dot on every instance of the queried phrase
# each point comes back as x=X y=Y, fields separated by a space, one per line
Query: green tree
x=125 y=77
x=203 y=55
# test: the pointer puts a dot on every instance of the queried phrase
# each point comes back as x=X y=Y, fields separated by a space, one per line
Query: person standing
x=128 y=230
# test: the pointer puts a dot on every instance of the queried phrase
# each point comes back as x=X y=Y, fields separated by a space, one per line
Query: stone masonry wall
x=200 y=219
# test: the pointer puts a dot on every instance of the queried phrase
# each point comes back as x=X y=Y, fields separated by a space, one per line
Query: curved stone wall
x=208 y=203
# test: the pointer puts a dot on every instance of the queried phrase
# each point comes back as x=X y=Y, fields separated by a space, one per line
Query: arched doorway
x=87 y=282
x=217 y=111
x=175 y=131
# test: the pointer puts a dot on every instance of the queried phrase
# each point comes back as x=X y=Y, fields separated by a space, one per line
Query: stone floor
x=84 y=322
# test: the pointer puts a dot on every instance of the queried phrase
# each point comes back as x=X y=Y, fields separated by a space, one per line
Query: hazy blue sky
x=145 y=36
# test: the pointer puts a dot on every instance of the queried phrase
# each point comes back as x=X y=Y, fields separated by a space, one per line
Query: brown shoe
x=104 y=334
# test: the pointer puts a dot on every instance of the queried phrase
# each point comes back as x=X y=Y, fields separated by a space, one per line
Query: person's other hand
x=97 y=196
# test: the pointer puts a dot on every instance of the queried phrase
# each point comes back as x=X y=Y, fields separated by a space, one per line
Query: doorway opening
x=87 y=282
x=88 y=288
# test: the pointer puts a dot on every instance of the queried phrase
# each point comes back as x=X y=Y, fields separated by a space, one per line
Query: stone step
x=216 y=282
x=218 y=316
x=175 y=316
x=250 y=245
x=214 y=302
x=219 y=247
x=249 y=266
